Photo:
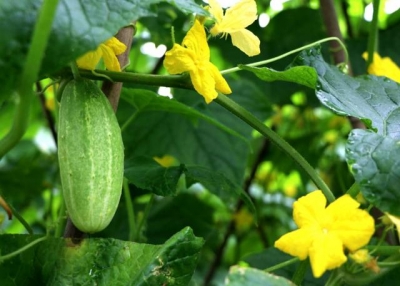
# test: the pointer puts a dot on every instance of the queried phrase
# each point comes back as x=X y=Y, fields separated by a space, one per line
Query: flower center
x=325 y=231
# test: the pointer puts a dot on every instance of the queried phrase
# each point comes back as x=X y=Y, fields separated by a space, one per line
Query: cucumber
x=91 y=155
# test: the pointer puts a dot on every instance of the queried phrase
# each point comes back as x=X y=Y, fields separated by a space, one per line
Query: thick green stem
x=373 y=33
x=180 y=81
x=29 y=75
x=247 y=117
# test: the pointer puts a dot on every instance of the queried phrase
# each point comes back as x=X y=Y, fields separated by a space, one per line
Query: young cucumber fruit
x=91 y=155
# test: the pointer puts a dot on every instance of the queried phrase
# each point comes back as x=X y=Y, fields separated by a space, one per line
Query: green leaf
x=171 y=214
x=146 y=101
x=239 y=276
x=98 y=261
x=301 y=75
x=146 y=174
x=219 y=184
x=159 y=132
x=375 y=100
x=188 y=7
x=375 y=161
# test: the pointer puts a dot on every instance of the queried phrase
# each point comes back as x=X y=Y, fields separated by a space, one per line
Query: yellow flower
x=234 y=22
x=194 y=57
x=165 y=161
x=383 y=67
x=108 y=51
x=324 y=232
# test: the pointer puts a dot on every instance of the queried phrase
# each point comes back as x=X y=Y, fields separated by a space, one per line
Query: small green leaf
x=301 y=75
x=375 y=100
x=375 y=161
x=239 y=276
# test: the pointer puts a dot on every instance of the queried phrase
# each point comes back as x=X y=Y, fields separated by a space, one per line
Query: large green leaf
x=375 y=161
x=100 y=261
x=79 y=26
x=169 y=215
x=145 y=101
x=188 y=6
x=146 y=174
x=239 y=276
x=196 y=142
x=375 y=100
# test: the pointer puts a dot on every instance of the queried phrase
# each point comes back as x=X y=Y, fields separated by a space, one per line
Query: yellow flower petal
x=110 y=60
x=117 y=46
x=204 y=84
x=326 y=253
x=383 y=67
x=246 y=41
x=165 y=161
x=355 y=227
x=234 y=22
x=196 y=41
x=220 y=83
x=239 y=16
x=308 y=209
x=194 y=57
x=395 y=220
x=297 y=242
x=90 y=60
x=216 y=10
x=179 y=60
x=108 y=51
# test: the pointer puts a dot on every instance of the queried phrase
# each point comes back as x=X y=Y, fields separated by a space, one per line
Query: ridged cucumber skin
x=91 y=156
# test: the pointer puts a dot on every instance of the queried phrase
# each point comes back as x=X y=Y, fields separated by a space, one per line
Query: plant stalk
x=29 y=75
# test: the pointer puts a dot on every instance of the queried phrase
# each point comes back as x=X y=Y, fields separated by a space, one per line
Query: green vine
x=29 y=75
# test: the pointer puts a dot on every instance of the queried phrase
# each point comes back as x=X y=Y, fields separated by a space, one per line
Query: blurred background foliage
x=29 y=178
